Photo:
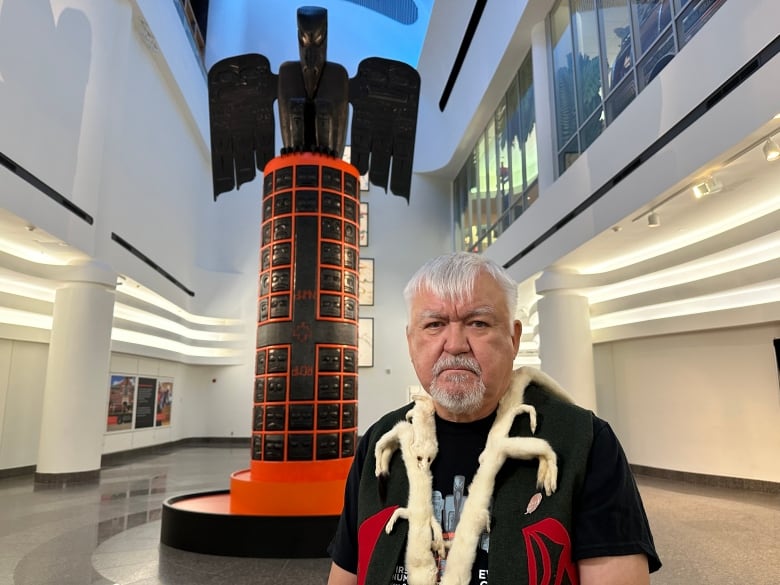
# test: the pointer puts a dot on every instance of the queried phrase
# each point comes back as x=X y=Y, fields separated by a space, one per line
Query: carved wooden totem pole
x=306 y=376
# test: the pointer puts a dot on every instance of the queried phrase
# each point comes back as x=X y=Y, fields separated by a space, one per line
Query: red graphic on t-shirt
x=548 y=547
x=368 y=535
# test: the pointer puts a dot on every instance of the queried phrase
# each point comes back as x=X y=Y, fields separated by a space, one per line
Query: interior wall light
x=653 y=219
x=706 y=187
x=771 y=150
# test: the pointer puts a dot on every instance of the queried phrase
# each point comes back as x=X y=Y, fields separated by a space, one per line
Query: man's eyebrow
x=483 y=310
x=428 y=314
x=475 y=312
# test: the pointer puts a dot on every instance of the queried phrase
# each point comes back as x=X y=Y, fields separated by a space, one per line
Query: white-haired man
x=562 y=505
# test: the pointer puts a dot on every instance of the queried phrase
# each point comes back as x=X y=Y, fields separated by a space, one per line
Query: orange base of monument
x=271 y=510
x=290 y=489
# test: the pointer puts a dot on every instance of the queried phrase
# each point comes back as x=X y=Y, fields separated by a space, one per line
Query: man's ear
x=517 y=331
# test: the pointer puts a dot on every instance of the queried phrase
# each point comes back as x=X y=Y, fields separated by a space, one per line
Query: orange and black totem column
x=305 y=390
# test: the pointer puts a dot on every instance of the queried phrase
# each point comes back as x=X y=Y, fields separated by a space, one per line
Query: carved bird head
x=312 y=45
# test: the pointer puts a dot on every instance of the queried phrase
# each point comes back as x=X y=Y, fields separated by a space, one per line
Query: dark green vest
x=520 y=543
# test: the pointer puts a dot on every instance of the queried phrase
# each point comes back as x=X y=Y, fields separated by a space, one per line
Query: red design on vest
x=368 y=535
x=556 y=563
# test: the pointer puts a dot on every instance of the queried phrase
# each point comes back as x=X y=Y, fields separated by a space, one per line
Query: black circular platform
x=202 y=529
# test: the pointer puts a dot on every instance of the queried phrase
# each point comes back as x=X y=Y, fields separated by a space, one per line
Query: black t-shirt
x=453 y=469
x=609 y=520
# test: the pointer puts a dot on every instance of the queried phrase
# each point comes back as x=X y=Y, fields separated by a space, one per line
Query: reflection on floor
x=110 y=533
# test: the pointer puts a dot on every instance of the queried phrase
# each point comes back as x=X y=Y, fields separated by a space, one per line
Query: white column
x=76 y=387
x=565 y=345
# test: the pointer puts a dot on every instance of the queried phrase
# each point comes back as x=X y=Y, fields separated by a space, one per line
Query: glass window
x=619 y=46
x=591 y=130
x=492 y=189
x=482 y=184
x=563 y=74
x=460 y=195
x=616 y=36
x=656 y=59
x=491 y=151
x=503 y=179
x=532 y=194
x=517 y=207
x=694 y=16
x=620 y=98
x=568 y=154
x=651 y=17
x=482 y=188
x=473 y=195
x=515 y=136
x=527 y=123
x=588 y=62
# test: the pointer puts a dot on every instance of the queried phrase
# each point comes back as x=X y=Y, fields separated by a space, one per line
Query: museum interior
x=620 y=158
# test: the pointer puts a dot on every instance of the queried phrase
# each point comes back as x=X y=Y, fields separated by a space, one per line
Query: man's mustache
x=458 y=363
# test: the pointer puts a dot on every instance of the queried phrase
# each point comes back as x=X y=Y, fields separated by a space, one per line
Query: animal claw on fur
x=547 y=476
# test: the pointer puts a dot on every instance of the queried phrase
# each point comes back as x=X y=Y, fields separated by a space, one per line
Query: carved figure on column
x=305 y=387
x=313 y=97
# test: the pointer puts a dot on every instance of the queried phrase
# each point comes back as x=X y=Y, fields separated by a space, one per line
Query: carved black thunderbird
x=313 y=100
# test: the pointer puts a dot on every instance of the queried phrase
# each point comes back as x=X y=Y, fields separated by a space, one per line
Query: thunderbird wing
x=242 y=91
x=384 y=96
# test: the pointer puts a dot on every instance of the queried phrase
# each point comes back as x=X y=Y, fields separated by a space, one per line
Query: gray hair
x=453 y=276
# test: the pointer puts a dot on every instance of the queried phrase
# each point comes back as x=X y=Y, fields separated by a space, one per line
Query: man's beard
x=470 y=392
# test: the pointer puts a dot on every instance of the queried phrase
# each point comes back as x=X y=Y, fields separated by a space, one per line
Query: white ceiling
x=748 y=182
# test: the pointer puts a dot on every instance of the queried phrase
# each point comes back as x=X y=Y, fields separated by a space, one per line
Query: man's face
x=463 y=351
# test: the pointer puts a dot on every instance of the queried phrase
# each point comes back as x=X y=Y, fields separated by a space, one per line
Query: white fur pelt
x=416 y=437
x=499 y=446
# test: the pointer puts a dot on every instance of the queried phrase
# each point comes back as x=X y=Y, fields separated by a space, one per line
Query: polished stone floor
x=109 y=533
